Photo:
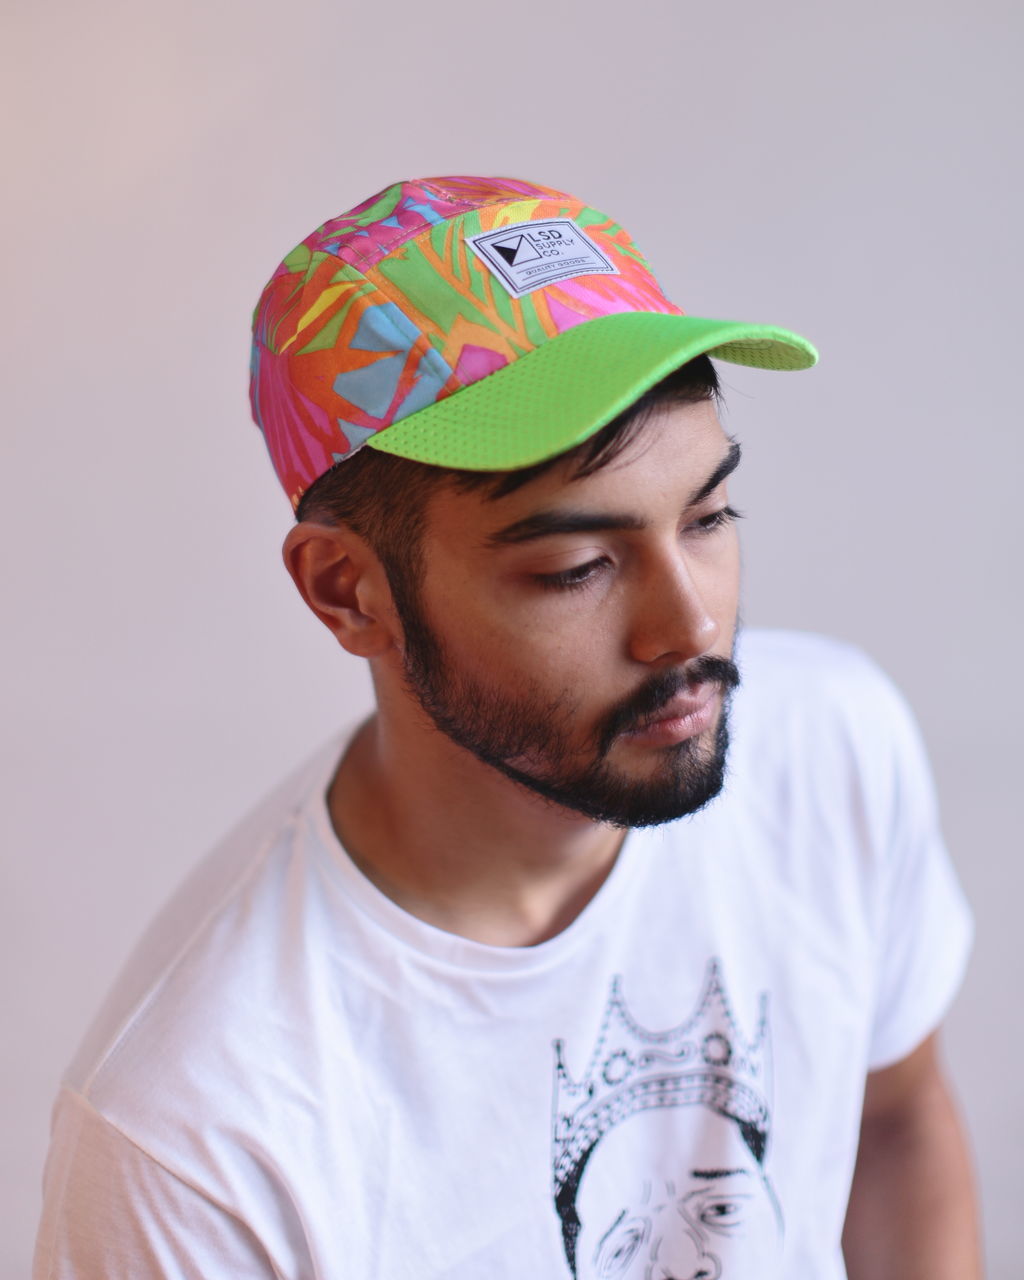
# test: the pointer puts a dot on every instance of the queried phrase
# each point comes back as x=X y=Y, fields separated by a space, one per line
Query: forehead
x=668 y=459
x=690 y=1140
x=688 y=1147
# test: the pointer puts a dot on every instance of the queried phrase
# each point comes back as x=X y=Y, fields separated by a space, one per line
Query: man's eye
x=716 y=520
x=578 y=576
x=723 y=1213
x=617 y=1251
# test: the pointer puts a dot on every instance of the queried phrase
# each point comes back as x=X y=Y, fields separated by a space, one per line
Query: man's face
x=675 y=1195
x=577 y=634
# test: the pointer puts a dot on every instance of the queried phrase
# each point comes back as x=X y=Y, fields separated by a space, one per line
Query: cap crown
x=390 y=308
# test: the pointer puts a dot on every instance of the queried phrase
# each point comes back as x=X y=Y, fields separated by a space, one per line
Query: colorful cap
x=484 y=324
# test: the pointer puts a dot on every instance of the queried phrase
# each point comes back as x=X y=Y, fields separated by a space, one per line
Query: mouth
x=685 y=716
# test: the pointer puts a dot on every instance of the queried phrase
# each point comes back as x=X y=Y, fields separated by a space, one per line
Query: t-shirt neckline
x=445 y=948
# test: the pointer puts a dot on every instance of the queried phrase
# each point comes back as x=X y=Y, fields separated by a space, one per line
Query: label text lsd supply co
x=529 y=255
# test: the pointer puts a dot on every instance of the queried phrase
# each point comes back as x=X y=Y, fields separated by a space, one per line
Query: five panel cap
x=484 y=324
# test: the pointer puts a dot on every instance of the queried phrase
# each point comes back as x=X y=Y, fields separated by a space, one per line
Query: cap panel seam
x=459 y=207
x=361 y=260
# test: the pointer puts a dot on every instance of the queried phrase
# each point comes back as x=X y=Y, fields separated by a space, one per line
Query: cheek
x=547 y=640
x=548 y=663
x=717 y=576
x=523 y=655
x=723 y=566
x=764 y=1224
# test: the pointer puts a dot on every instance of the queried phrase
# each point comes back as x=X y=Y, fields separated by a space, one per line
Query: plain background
x=852 y=172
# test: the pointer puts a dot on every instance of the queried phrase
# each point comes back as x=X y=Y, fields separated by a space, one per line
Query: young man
x=581 y=957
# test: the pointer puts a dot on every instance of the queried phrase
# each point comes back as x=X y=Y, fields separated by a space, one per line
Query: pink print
x=476 y=363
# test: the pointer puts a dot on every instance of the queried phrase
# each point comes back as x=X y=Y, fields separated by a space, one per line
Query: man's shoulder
x=826 y=764
x=801 y=670
x=815 y=705
x=199 y=964
x=780 y=650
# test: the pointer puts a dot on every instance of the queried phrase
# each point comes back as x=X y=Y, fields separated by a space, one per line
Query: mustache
x=642 y=706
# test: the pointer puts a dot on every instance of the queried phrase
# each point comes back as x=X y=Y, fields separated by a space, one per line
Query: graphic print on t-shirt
x=660 y=1147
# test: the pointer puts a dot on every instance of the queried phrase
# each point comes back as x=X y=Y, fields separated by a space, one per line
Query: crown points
x=705 y=1059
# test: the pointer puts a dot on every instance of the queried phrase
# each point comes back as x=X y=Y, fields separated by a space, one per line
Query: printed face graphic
x=577 y=634
x=701 y=1210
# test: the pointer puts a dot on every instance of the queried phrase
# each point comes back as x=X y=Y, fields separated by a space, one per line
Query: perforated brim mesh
x=562 y=392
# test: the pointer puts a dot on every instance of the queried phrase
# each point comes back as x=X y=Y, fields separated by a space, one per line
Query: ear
x=344 y=583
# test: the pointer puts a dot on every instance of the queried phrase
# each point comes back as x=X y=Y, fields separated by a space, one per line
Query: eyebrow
x=546 y=524
x=710 y=1174
x=600 y=1242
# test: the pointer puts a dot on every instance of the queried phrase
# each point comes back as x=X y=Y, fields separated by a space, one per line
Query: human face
x=675 y=1194
x=577 y=634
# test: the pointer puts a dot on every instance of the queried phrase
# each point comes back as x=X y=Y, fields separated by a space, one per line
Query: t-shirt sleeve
x=110 y=1209
x=924 y=923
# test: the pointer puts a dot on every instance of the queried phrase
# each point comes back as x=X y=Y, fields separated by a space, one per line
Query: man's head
x=572 y=628
x=501 y=441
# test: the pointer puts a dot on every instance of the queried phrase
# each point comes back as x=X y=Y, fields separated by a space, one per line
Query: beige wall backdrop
x=851 y=171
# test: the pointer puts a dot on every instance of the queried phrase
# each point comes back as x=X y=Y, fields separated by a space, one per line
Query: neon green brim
x=562 y=392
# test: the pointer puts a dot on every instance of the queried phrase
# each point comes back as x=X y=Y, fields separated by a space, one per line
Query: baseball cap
x=484 y=324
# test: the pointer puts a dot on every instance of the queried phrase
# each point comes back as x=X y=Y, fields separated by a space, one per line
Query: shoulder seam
x=138 y=1011
x=86 y=1104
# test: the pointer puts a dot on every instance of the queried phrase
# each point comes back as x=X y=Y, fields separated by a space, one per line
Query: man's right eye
x=725 y=1212
x=578 y=576
x=618 y=1250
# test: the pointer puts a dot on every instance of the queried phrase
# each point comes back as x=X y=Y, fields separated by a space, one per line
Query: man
x=581 y=957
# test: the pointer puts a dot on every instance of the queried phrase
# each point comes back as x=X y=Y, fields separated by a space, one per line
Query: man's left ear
x=341 y=579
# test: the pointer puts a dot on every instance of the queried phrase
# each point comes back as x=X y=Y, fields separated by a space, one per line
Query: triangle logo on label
x=518 y=249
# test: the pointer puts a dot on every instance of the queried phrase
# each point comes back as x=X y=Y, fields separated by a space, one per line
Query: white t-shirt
x=295 y=1078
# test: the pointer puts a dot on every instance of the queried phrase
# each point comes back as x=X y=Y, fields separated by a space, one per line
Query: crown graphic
x=704 y=1060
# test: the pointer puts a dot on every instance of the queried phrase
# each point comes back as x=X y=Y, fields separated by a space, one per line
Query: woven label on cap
x=529 y=255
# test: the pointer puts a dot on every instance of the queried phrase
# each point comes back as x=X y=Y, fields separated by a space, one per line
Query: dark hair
x=384 y=498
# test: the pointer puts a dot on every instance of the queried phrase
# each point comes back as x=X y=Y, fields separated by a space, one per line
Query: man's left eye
x=716 y=520
x=723 y=1213
x=578 y=576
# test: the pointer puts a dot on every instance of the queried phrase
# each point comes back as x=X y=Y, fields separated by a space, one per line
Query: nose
x=681 y=1255
x=671 y=620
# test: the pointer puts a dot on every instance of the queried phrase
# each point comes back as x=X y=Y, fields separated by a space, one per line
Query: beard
x=529 y=736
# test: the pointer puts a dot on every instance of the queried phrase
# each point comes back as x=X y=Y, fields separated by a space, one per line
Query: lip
x=684 y=717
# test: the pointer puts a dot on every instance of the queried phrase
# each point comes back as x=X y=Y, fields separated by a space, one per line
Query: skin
x=446 y=836
x=913 y=1212
x=456 y=842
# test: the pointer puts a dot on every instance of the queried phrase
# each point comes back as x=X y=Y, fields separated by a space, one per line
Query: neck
x=456 y=843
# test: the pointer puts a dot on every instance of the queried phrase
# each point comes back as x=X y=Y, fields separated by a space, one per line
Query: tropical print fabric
x=385 y=310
